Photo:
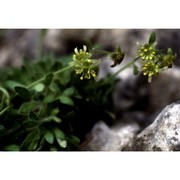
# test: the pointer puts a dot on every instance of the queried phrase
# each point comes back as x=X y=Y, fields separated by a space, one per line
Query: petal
x=84 y=48
x=76 y=50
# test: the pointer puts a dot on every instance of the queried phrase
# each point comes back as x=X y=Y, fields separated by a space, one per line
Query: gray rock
x=127 y=131
x=164 y=90
x=134 y=94
x=104 y=138
x=163 y=134
x=16 y=45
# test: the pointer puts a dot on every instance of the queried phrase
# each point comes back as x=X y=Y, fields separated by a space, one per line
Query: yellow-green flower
x=83 y=65
x=154 y=60
x=82 y=54
x=147 y=52
x=150 y=69
x=167 y=60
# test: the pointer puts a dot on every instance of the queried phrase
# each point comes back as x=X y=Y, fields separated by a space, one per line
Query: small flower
x=83 y=65
x=147 y=52
x=81 y=54
x=150 y=69
x=154 y=60
x=150 y=60
x=167 y=60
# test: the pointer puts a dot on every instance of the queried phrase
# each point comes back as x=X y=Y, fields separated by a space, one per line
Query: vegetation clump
x=50 y=104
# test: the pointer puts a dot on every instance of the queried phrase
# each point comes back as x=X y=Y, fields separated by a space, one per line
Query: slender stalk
x=124 y=67
x=101 y=51
x=4 y=110
x=43 y=78
x=61 y=70
x=70 y=66
x=4 y=91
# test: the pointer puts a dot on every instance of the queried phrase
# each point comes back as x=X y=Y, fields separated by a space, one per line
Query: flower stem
x=124 y=67
x=43 y=78
x=98 y=51
x=4 y=110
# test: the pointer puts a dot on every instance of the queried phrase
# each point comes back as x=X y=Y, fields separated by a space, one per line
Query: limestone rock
x=163 y=134
x=164 y=90
x=116 y=138
x=16 y=44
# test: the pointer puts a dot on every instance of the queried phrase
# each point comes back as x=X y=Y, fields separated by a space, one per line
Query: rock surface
x=136 y=99
x=164 y=90
x=163 y=134
x=17 y=44
x=104 y=138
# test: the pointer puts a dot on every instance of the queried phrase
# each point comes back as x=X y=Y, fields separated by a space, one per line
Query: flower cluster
x=154 y=60
x=147 y=52
x=150 y=68
x=168 y=59
x=83 y=65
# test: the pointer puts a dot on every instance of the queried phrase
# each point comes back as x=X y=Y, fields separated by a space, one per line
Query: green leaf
x=54 y=87
x=31 y=123
x=55 y=111
x=31 y=141
x=152 y=38
x=39 y=87
x=41 y=144
x=75 y=139
x=58 y=133
x=169 y=51
x=69 y=91
x=2 y=130
x=28 y=106
x=66 y=100
x=12 y=84
x=11 y=147
x=62 y=143
x=33 y=145
x=22 y=91
x=48 y=79
x=52 y=118
x=49 y=137
x=56 y=119
x=135 y=70
x=33 y=116
x=49 y=98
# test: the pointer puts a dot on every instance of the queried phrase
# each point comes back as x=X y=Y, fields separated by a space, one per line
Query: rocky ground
x=148 y=115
